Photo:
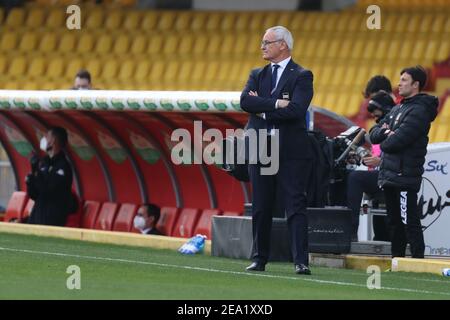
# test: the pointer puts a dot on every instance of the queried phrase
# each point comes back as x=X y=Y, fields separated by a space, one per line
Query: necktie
x=273 y=85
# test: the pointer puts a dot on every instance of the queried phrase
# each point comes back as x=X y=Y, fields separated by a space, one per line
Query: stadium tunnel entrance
x=120 y=142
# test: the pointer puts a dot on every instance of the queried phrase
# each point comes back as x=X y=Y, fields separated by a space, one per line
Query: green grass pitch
x=36 y=268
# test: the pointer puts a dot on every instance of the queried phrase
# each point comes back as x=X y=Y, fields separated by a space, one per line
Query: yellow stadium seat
x=28 y=42
x=8 y=41
x=256 y=21
x=444 y=51
x=228 y=21
x=2 y=64
x=200 y=44
x=95 y=20
x=446 y=27
x=437 y=24
x=333 y=48
x=330 y=101
x=186 y=43
x=155 y=44
x=418 y=50
x=341 y=106
x=55 y=69
x=185 y=72
x=94 y=67
x=166 y=20
x=36 y=68
x=310 y=49
x=339 y=73
x=242 y=43
x=170 y=71
x=171 y=44
x=321 y=49
x=121 y=45
x=158 y=69
x=426 y=23
x=48 y=43
x=109 y=71
x=67 y=43
x=126 y=71
x=15 y=18
x=227 y=44
x=149 y=20
x=56 y=19
x=35 y=18
x=242 y=21
x=139 y=45
x=445 y=112
x=214 y=45
x=213 y=22
x=73 y=66
x=17 y=67
x=198 y=21
x=113 y=20
x=142 y=71
x=406 y=50
x=132 y=20
x=346 y=49
x=209 y=72
x=85 y=43
x=183 y=21
x=103 y=45
x=284 y=19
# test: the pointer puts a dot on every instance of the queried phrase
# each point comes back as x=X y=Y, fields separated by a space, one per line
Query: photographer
x=360 y=182
x=403 y=138
x=50 y=181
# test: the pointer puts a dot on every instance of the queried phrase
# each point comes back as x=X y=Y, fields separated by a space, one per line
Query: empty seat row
x=110 y=216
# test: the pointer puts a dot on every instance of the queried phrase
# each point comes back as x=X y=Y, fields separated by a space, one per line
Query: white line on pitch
x=219 y=271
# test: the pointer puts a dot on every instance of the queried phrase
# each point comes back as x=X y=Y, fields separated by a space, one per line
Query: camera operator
x=50 y=182
x=403 y=138
x=360 y=182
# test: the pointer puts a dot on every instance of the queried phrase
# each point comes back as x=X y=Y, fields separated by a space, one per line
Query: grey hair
x=284 y=34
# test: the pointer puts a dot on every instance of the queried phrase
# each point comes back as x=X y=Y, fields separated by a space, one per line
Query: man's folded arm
x=254 y=104
x=301 y=99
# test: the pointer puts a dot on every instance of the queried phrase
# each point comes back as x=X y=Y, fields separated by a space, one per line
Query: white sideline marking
x=219 y=271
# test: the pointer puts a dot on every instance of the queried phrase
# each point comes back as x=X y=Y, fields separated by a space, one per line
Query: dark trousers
x=290 y=182
x=404 y=222
x=359 y=182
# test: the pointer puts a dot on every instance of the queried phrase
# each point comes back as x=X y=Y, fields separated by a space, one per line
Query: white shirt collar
x=282 y=63
x=146 y=230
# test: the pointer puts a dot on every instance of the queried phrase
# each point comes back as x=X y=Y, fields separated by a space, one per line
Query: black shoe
x=302 y=269
x=255 y=266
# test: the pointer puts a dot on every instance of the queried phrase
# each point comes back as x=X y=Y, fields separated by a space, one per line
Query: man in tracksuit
x=403 y=138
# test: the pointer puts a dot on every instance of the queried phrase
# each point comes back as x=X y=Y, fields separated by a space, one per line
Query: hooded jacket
x=404 y=151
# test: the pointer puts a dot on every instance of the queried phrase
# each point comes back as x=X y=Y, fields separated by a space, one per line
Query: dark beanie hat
x=382 y=100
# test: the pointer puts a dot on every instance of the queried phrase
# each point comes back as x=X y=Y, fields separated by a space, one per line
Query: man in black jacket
x=403 y=138
x=50 y=182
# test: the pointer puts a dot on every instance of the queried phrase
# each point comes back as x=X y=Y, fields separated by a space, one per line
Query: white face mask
x=139 y=222
x=43 y=144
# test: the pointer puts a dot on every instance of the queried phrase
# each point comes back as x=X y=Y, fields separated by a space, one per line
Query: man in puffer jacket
x=403 y=138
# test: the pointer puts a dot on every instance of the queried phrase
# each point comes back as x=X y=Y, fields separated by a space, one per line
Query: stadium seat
x=85 y=44
x=17 y=67
x=16 y=205
x=28 y=42
x=8 y=41
x=132 y=20
x=15 y=18
x=90 y=214
x=186 y=223
x=204 y=222
x=106 y=216
x=167 y=220
x=35 y=18
x=48 y=43
x=55 y=19
x=125 y=216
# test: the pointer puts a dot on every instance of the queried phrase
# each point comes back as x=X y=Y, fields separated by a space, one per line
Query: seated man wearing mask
x=146 y=219
x=360 y=182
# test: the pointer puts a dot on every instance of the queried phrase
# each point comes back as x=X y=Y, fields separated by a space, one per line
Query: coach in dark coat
x=50 y=182
x=277 y=97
